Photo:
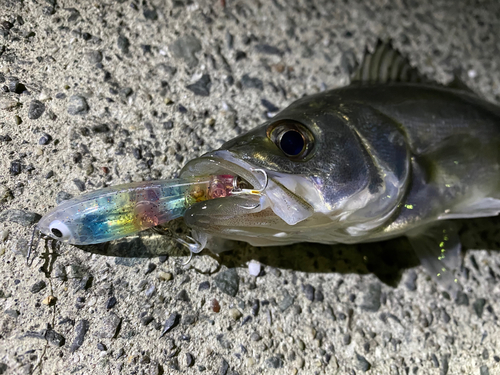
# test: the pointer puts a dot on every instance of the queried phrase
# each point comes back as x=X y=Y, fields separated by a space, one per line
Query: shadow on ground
x=386 y=259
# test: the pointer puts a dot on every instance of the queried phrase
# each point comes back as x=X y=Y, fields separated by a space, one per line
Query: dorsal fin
x=386 y=65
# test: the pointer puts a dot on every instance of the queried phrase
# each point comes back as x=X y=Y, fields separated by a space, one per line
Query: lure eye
x=59 y=230
x=292 y=138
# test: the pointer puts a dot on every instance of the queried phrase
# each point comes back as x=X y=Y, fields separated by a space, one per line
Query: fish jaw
x=268 y=218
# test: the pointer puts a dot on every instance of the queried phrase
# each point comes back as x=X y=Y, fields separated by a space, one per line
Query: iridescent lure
x=115 y=212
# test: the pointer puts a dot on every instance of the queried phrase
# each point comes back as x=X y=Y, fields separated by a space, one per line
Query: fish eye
x=59 y=230
x=292 y=138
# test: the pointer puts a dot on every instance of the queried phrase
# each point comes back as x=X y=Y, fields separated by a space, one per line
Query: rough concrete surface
x=96 y=93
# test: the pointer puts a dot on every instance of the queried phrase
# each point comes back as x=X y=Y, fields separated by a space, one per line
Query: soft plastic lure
x=115 y=212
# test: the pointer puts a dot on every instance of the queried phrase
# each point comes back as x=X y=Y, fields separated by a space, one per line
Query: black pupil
x=292 y=143
x=56 y=232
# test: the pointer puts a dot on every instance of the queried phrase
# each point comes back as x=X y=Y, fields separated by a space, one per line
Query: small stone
x=170 y=323
x=77 y=105
x=235 y=314
x=269 y=106
x=286 y=302
x=308 y=291
x=111 y=302
x=79 y=184
x=101 y=347
x=254 y=268
x=54 y=338
x=150 y=291
x=183 y=296
x=81 y=328
x=462 y=299
x=411 y=281
x=346 y=339
x=202 y=86
x=24 y=218
x=15 y=168
x=224 y=367
x=215 y=305
x=151 y=268
x=483 y=370
x=255 y=307
x=267 y=49
x=123 y=44
x=145 y=320
x=12 y=313
x=371 y=299
x=189 y=360
x=36 y=109
x=188 y=320
x=93 y=57
x=44 y=139
x=185 y=48
x=150 y=14
x=18 y=120
x=109 y=326
x=204 y=285
x=251 y=82
x=274 y=362
x=49 y=301
x=228 y=282
x=121 y=353
x=255 y=337
x=165 y=276
x=38 y=286
x=478 y=306
x=63 y=196
x=362 y=363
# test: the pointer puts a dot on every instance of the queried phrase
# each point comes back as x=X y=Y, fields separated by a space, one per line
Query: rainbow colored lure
x=115 y=212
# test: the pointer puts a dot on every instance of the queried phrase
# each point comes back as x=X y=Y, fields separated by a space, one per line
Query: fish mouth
x=224 y=162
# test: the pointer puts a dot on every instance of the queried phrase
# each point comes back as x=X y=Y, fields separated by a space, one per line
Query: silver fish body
x=378 y=161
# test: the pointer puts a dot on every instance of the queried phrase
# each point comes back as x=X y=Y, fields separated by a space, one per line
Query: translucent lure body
x=115 y=212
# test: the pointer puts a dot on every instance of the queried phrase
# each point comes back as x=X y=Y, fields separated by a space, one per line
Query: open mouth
x=224 y=163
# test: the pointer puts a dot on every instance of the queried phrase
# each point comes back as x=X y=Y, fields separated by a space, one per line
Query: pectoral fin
x=438 y=248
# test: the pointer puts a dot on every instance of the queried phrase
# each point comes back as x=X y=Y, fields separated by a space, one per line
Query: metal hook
x=253 y=191
x=30 y=248
x=193 y=248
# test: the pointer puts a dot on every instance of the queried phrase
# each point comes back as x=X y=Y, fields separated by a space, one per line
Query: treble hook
x=30 y=248
x=194 y=248
x=253 y=191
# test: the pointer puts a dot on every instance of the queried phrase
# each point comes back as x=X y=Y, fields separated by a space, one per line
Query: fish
x=392 y=154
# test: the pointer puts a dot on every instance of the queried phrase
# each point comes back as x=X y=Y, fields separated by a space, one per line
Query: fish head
x=314 y=171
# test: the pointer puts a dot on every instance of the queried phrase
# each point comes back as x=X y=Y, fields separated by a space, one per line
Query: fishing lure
x=119 y=211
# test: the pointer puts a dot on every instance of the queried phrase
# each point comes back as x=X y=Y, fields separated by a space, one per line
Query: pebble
x=462 y=299
x=111 y=302
x=93 y=57
x=235 y=314
x=224 y=367
x=411 y=281
x=189 y=360
x=101 y=347
x=170 y=323
x=183 y=296
x=269 y=106
x=185 y=48
x=54 y=338
x=255 y=307
x=145 y=320
x=254 y=268
x=362 y=363
x=151 y=268
x=202 y=86
x=123 y=44
x=79 y=184
x=371 y=299
x=228 y=282
x=286 y=302
x=308 y=290
x=109 y=327
x=36 y=109
x=267 y=49
x=274 y=362
x=15 y=168
x=150 y=14
x=478 y=306
x=12 y=313
x=49 y=301
x=483 y=370
x=165 y=276
x=44 y=139
x=188 y=320
x=255 y=337
x=77 y=105
x=63 y=196
x=251 y=82
x=215 y=305
x=24 y=218
x=38 y=286
x=81 y=328
x=204 y=285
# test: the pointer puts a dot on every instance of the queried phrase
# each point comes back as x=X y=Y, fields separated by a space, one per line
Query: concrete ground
x=98 y=93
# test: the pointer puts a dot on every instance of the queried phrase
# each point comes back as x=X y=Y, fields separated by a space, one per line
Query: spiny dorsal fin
x=386 y=65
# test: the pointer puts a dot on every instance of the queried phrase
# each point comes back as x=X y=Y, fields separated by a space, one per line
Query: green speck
x=409 y=206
